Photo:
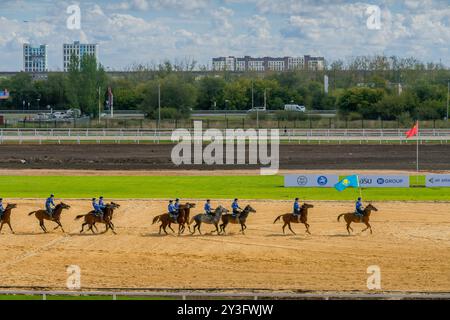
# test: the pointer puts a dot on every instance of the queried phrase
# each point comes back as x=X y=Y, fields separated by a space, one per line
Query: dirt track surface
x=158 y=157
x=411 y=244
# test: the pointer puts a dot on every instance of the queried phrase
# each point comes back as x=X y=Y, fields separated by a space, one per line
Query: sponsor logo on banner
x=310 y=181
x=438 y=180
x=384 y=181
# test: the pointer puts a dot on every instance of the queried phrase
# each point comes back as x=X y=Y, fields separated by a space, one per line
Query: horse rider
x=102 y=205
x=208 y=209
x=235 y=207
x=2 y=209
x=50 y=205
x=177 y=205
x=296 y=212
x=172 y=210
x=97 y=211
x=359 y=208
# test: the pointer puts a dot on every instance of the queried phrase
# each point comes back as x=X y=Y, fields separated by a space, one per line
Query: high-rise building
x=78 y=50
x=248 y=63
x=35 y=58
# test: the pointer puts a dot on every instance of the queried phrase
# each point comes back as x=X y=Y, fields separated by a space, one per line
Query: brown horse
x=42 y=215
x=183 y=218
x=91 y=219
x=6 y=217
x=351 y=217
x=289 y=218
x=241 y=219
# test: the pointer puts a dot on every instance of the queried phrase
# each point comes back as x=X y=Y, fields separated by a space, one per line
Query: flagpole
x=417 y=154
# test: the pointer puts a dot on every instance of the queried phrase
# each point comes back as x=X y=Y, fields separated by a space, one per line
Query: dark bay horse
x=214 y=219
x=352 y=218
x=6 y=217
x=183 y=218
x=289 y=218
x=91 y=219
x=241 y=219
x=42 y=215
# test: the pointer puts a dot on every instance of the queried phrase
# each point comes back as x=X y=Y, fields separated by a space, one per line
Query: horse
x=6 y=217
x=42 y=215
x=91 y=219
x=203 y=218
x=289 y=218
x=351 y=217
x=183 y=218
x=241 y=219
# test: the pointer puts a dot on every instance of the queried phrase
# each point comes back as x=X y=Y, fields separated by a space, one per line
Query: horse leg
x=349 y=228
x=290 y=228
x=284 y=228
x=170 y=227
x=243 y=228
x=41 y=224
x=307 y=228
x=1 y=226
x=368 y=227
x=60 y=225
x=9 y=224
x=82 y=227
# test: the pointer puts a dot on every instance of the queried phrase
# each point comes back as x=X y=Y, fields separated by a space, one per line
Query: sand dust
x=411 y=244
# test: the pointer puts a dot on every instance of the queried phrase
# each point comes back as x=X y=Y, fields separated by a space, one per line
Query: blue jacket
x=1 y=207
x=176 y=206
x=172 y=208
x=207 y=207
x=49 y=202
x=96 y=206
x=296 y=206
x=235 y=206
x=359 y=205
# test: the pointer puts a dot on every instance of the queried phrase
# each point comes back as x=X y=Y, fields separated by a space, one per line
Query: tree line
x=377 y=87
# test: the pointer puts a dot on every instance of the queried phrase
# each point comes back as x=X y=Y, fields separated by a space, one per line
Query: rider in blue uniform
x=359 y=208
x=2 y=209
x=296 y=212
x=50 y=205
x=172 y=210
x=101 y=205
x=97 y=210
x=208 y=209
x=235 y=207
x=177 y=206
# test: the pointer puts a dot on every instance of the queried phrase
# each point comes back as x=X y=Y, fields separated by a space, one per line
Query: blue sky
x=149 y=31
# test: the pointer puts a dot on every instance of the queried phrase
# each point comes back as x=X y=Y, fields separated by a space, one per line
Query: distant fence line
x=156 y=136
x=219 y=121
x=240 y=295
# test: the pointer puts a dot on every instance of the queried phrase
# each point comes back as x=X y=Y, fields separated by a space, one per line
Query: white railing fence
x=147 y=135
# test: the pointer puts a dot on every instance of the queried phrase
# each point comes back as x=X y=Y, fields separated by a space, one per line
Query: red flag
x=413 y=132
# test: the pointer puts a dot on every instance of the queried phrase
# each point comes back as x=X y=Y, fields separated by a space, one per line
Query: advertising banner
x=383 y=181
x=438 y=180
x=311 y=181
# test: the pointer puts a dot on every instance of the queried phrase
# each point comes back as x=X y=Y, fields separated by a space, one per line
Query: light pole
x=448 y=97
x=159 y=111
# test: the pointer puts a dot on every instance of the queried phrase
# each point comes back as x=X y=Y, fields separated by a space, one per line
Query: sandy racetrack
x=411 y=244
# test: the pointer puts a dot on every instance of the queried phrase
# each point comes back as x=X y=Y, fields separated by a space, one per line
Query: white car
x=294 y=107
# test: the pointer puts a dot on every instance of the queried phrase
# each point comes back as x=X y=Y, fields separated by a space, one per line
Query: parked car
x=294 y=107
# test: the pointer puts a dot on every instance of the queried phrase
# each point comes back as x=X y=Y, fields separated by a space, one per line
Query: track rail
x=185 y=295
x=146 y=135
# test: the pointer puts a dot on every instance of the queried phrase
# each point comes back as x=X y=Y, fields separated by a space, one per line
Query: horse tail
x=31 y=213
x=339 y=218
x=156 y=219
x=276 y=220
x=79 y=217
